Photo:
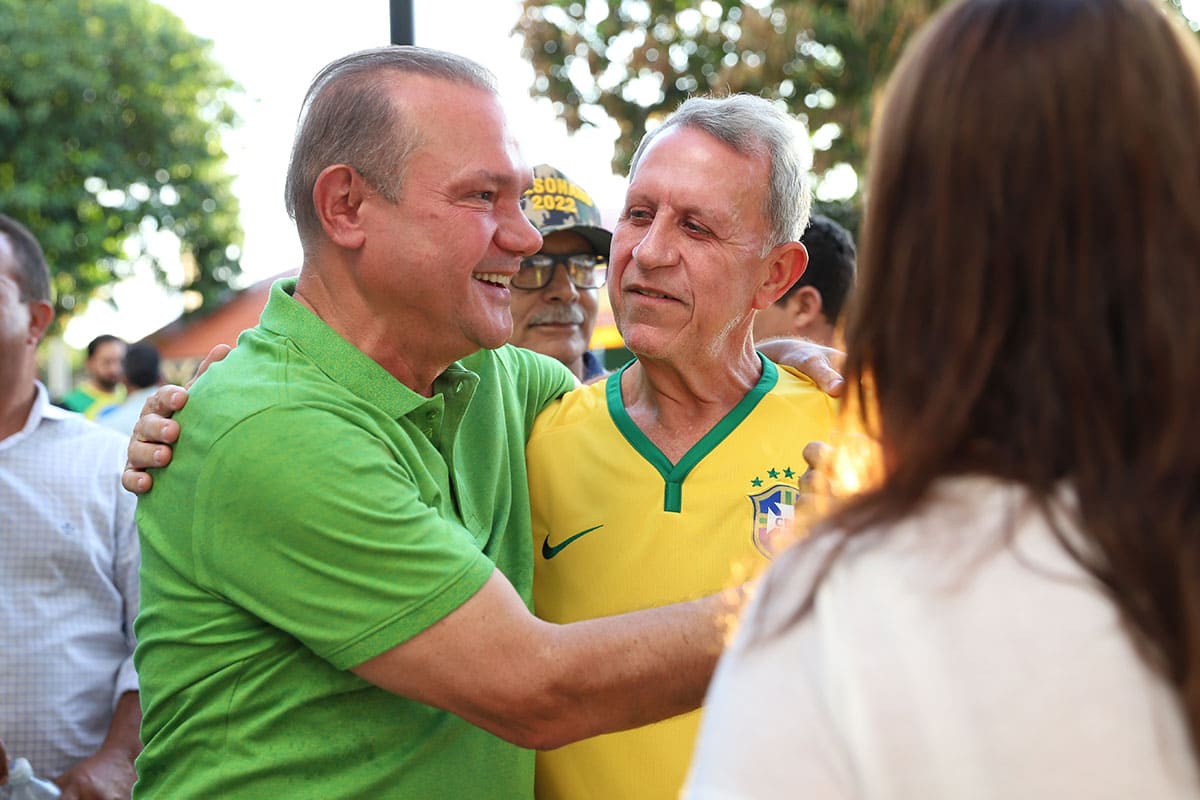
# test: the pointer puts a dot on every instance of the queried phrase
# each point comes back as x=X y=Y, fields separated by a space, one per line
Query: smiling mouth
x=495 y=278
x=650 y=294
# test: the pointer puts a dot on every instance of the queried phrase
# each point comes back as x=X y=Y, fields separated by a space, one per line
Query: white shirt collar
x=42 y=409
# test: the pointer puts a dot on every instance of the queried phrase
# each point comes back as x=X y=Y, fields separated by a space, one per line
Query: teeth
x=494 y=277
x=653 y=294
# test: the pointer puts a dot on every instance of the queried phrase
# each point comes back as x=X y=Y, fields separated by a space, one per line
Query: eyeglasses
x=585 y=270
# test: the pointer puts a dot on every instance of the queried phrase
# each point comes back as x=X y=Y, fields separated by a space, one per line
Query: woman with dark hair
x=1012 y=609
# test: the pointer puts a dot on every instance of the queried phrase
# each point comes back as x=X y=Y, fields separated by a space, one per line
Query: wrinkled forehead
x=694 y=170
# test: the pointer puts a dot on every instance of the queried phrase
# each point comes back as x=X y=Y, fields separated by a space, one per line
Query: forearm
x=542 y=685
x=622 y=672
x=109 y=772
x=123 y=738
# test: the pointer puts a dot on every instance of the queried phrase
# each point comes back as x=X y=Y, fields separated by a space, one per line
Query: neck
x=15 y=407
x=576 y=368
x=675 y=406
x=408 y=355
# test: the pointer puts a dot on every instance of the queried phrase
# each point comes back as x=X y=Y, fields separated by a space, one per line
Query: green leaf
x=105 y=99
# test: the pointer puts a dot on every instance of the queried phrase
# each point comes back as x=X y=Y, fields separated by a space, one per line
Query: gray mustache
x=558 y=315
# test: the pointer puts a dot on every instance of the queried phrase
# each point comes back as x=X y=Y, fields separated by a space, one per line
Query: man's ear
x=785 y=267
x=41 y=314
x=806 y=307
x=338 y=196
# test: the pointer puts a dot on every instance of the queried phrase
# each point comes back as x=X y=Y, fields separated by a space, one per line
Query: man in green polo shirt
x=336 y=570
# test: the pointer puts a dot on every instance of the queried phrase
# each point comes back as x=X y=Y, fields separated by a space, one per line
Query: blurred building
x=185 y=342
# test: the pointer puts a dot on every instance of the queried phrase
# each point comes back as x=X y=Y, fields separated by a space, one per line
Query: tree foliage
x=111 y=115
x=636 y=60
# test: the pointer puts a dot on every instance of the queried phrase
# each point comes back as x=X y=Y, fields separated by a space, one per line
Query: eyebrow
x=521 y=181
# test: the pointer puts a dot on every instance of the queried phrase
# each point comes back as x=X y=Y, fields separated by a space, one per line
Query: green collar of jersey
x=674 y=474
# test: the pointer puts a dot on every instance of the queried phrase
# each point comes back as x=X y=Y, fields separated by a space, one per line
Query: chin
x=492 y=339
x=641 y=344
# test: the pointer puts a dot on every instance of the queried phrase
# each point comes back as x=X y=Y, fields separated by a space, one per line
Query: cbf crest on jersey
x=774 y=514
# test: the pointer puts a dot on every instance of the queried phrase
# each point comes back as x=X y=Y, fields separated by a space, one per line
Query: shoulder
x=794 y=408
x=580 y=405
x=794 y=386
x=516 y=362
x=521 y=381
x=72 y=431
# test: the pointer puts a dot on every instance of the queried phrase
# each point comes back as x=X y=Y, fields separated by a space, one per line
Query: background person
x=553 y=309
x=68 y=691
x=812 y=308
x=1012 y=610
x=142 y=371
x=102 y=387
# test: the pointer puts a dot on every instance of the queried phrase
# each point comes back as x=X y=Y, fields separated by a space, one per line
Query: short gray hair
x=30 y=271
x=349 y=118
x=752 y=125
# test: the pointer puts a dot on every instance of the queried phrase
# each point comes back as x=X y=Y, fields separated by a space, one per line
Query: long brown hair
x=1029 y=296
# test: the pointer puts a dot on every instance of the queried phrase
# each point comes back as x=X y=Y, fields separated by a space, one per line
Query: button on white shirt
x=68 y=586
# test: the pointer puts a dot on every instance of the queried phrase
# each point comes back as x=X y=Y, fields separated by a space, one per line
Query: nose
x=516 y=234
x=560 y=287
x=656 y=248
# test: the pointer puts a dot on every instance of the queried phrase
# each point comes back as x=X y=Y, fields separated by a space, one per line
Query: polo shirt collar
x=349 y=366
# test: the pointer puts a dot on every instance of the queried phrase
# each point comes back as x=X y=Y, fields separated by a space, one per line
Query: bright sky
x=273 y=50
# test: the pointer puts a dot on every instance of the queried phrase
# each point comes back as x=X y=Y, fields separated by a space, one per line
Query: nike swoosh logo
x=549 y=552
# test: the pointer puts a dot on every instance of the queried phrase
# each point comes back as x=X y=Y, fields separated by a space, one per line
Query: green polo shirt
x=316 y=514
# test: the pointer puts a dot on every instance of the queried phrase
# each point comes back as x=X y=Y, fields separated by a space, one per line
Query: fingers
x=165 y=401
x=817 y=454
x=218 y=353
x=143 y=456
x=816 y=484
x=149 y=445
x=152 y=433
x=822 y=366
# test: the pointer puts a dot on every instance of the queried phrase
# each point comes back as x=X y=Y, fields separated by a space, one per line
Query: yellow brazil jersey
x=617 y=527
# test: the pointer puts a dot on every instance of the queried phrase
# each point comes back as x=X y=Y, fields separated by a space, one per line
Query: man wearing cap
x=554 y=310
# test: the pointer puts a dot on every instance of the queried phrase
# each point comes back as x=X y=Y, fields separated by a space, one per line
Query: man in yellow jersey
x=670 y=479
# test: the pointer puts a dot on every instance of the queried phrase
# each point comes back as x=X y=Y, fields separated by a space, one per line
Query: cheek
x=620 y=253
x=590 y=303
x=521 y=304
